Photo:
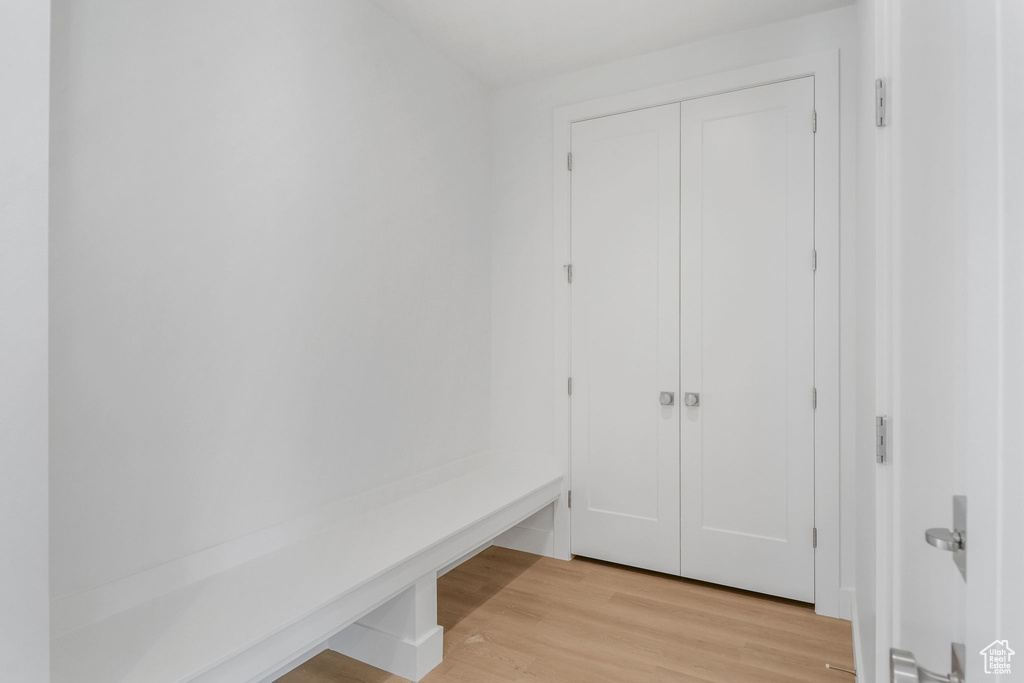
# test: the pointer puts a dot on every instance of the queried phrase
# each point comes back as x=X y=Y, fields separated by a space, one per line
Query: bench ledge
x=245 y=623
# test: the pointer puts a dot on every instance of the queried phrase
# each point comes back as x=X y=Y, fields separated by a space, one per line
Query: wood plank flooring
x=511 y=616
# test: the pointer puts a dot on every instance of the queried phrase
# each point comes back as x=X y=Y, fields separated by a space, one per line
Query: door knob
x=668 y=398
x=691 y=399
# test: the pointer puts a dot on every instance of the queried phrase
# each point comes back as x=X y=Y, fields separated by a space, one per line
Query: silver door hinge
x=814 y=121
x=814 y=398
x=570 y=498
x=881 y=103
x=814 y=260
x=568 y=273
x=570 y=161
x=814 y=537
x=881 y=439
x=570 y=386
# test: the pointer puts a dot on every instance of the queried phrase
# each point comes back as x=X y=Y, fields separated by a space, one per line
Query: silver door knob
x=668 y=398
x=691 y=399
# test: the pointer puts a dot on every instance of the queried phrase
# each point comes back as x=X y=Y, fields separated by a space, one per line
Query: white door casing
x=747 y=332
x=625 y=322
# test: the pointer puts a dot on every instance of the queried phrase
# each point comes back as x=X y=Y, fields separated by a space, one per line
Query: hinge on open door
x=881 y=439
x=814 y=537
x=881 y=104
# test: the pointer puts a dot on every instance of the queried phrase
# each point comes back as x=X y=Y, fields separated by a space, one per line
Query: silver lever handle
x=691 y=399
x=945 y=539
x=903 y=668
x=668 y=398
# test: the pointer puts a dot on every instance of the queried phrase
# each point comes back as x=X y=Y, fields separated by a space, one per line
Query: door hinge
x=814 y=121
x=881 y=439
x=881 y=103
x=814 y=398
x=814 y=260
x=570 y=161
x=814 y=537
x=568 y=273
x=570 y=498
x=570 y=386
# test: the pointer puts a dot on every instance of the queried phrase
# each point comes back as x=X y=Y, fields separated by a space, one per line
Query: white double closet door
x=692 y=244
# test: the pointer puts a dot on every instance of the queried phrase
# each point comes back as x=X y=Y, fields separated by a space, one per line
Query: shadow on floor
x=486 y=575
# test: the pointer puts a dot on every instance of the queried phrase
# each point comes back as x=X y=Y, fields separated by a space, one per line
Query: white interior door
x=747 y=339
x=625 y=338
x=950 y=294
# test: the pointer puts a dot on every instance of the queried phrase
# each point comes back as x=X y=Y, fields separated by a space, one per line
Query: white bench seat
x=253 y=621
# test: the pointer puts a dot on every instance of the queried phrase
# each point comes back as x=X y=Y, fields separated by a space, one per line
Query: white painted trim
x=527 y=540
x=858 y=656
x=824 y=66
x=401 y=636
x=77 y=610
x=886 y=391
x=846 y=597
x=405 y=658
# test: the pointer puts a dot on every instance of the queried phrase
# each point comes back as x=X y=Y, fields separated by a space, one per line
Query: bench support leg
x=401 y=636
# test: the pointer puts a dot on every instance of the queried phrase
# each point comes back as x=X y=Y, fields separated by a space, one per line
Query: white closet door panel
x=625 y=322
x=747 y=326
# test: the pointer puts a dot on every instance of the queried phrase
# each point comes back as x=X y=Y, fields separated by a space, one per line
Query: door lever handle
x=903 y=668
x=691 y=399
x=668 y=398
x=945 y=539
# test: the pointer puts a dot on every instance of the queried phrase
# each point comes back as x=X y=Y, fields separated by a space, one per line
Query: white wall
x=522 y=296
x=269 y=277
x=24 y=104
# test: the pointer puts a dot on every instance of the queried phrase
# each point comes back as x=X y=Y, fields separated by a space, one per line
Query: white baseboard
x=846 y=600
x=412 y=660
x=535 y=541
x=858 y=655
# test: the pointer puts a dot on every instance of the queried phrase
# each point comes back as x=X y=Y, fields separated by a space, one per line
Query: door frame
x=824 y=67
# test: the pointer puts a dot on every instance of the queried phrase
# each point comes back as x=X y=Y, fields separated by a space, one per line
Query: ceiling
x=503 y=42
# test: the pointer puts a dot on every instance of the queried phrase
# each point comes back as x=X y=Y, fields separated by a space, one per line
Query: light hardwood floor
x=511 y=616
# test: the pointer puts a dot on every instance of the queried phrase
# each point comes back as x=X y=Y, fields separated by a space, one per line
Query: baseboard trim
x=846 y=600
x=412 y=660
x=535 y=541
x=858 y=656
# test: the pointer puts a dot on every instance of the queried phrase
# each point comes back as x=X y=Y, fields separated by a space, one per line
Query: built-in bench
x=365 y=587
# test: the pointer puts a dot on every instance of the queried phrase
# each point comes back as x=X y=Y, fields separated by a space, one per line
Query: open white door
x=747 y=333
x=956 y=310
x=625 y=326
